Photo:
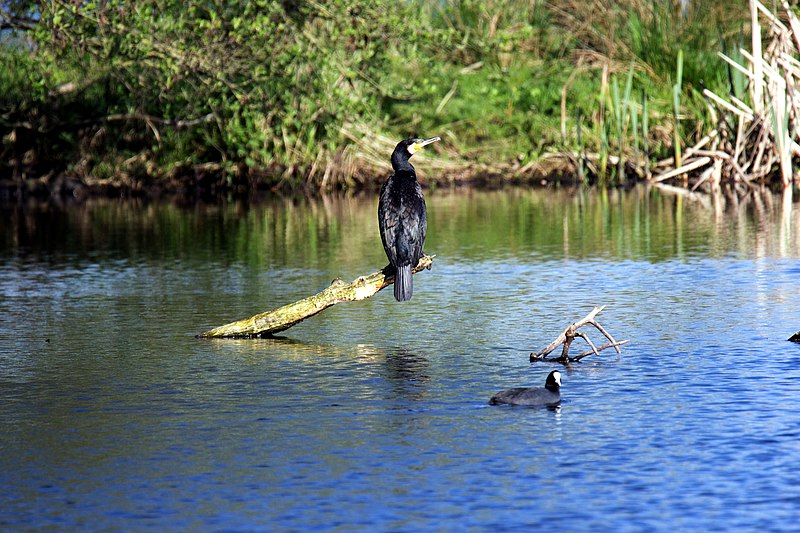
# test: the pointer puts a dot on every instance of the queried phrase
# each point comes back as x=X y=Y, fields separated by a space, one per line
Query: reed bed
x=755 y=136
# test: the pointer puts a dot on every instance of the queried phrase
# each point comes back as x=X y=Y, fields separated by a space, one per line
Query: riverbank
x=209 y=180
x=100 y=99
x=648 y=94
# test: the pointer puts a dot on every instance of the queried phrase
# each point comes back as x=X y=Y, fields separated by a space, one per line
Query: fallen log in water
x=282 y=318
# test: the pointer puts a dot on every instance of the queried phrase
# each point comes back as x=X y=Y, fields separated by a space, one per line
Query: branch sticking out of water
x=569 y=334
x=282 y=318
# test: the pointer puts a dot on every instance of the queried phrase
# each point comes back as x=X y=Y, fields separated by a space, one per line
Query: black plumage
x=550 y=394
x=402 y=216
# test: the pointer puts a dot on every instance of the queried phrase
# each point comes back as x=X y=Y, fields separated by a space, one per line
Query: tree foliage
x=154 y=88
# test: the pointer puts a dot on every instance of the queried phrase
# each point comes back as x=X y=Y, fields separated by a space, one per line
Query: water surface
x=373 y=415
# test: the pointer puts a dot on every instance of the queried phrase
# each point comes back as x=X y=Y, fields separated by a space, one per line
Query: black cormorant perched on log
x=401 y=216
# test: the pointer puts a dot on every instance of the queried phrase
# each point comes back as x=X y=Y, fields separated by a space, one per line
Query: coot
x=550 y=394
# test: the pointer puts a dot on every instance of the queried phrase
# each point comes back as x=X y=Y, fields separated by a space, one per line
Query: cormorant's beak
x=423 y=142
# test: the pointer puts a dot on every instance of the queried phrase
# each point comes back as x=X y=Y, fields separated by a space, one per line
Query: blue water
x=373 y=416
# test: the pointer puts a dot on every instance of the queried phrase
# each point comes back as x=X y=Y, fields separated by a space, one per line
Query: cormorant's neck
x=400 y=162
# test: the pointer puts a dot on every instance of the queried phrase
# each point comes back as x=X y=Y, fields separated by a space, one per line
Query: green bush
x=264 y=88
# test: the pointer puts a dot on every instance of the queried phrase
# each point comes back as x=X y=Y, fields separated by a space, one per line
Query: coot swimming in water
x=550 y=394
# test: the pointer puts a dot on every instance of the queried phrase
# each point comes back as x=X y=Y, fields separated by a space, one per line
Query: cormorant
x=549 y=395
x=401 y=216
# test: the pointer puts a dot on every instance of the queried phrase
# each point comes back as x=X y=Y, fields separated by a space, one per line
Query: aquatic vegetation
x=753 y=138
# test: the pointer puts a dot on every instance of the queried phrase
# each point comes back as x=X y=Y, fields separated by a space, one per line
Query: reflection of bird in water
x=402 y=217
x=550 y=394
x=408 y=374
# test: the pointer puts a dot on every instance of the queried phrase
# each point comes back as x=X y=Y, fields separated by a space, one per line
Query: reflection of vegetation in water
x=339 y=236
x=606 y=223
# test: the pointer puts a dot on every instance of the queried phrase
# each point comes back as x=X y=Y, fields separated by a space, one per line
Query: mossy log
x=282 y=318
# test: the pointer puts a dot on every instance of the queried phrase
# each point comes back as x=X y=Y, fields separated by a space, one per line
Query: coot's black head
x=408 y=147
x=553 y=382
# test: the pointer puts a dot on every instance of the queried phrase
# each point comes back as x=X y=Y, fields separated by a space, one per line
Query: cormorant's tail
x=403 y=283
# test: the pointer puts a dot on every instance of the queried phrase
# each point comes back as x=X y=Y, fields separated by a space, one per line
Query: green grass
x=494 y=114
x=278 y=83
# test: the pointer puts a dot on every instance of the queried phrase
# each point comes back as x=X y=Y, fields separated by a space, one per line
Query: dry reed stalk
x=755 y=142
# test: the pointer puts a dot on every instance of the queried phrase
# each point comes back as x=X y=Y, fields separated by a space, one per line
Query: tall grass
x=676 y=110
x=306 y=94
x=646 y=133
x=754 y=135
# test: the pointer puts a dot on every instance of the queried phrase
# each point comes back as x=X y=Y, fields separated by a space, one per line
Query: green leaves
x=280 y=80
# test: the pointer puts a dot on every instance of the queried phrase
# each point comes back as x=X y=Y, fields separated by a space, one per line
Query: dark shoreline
x=212 y=186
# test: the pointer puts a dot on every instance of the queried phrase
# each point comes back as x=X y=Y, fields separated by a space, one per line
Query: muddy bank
x=208 y=181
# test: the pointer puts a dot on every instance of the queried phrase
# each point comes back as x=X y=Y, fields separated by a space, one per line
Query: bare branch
x=175 y=123
x=600 y=349
x=568 y=336
x=588 y=340
x=9 y=21
x=604 y=332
